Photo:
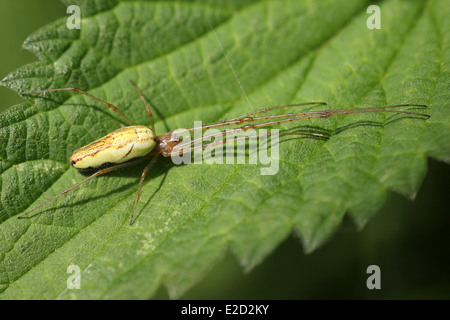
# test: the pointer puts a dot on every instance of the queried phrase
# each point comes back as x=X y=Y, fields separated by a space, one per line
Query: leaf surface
x=211 y=60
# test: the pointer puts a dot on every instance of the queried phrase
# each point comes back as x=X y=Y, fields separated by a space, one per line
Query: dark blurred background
x=408 y=240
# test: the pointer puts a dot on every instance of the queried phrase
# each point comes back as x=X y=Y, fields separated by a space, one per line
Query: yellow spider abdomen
x=119 y=146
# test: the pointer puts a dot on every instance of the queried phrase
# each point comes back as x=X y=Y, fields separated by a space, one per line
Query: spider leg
x=246 y=117
x=96 y=174
x=176 y=150
x=330 y=113
x=279 y=107
x=304 y=115
x=143 y=175
x=291 y=117
x=109 y=105
x=149 y=112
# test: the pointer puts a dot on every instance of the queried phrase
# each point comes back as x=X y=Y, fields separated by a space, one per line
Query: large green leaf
x=210 y=60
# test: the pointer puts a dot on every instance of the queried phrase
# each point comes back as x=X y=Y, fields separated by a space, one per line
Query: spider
x=132 y=144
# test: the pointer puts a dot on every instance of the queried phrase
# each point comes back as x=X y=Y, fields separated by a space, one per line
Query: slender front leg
x=279 y=107
x=177 y=150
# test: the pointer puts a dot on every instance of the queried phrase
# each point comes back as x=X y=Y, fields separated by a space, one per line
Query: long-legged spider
x=128 y=145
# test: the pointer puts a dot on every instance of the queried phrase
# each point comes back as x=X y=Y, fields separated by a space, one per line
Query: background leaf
x=187 y=58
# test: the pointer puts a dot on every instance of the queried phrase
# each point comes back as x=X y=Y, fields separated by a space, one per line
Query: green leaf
x=211 y=60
